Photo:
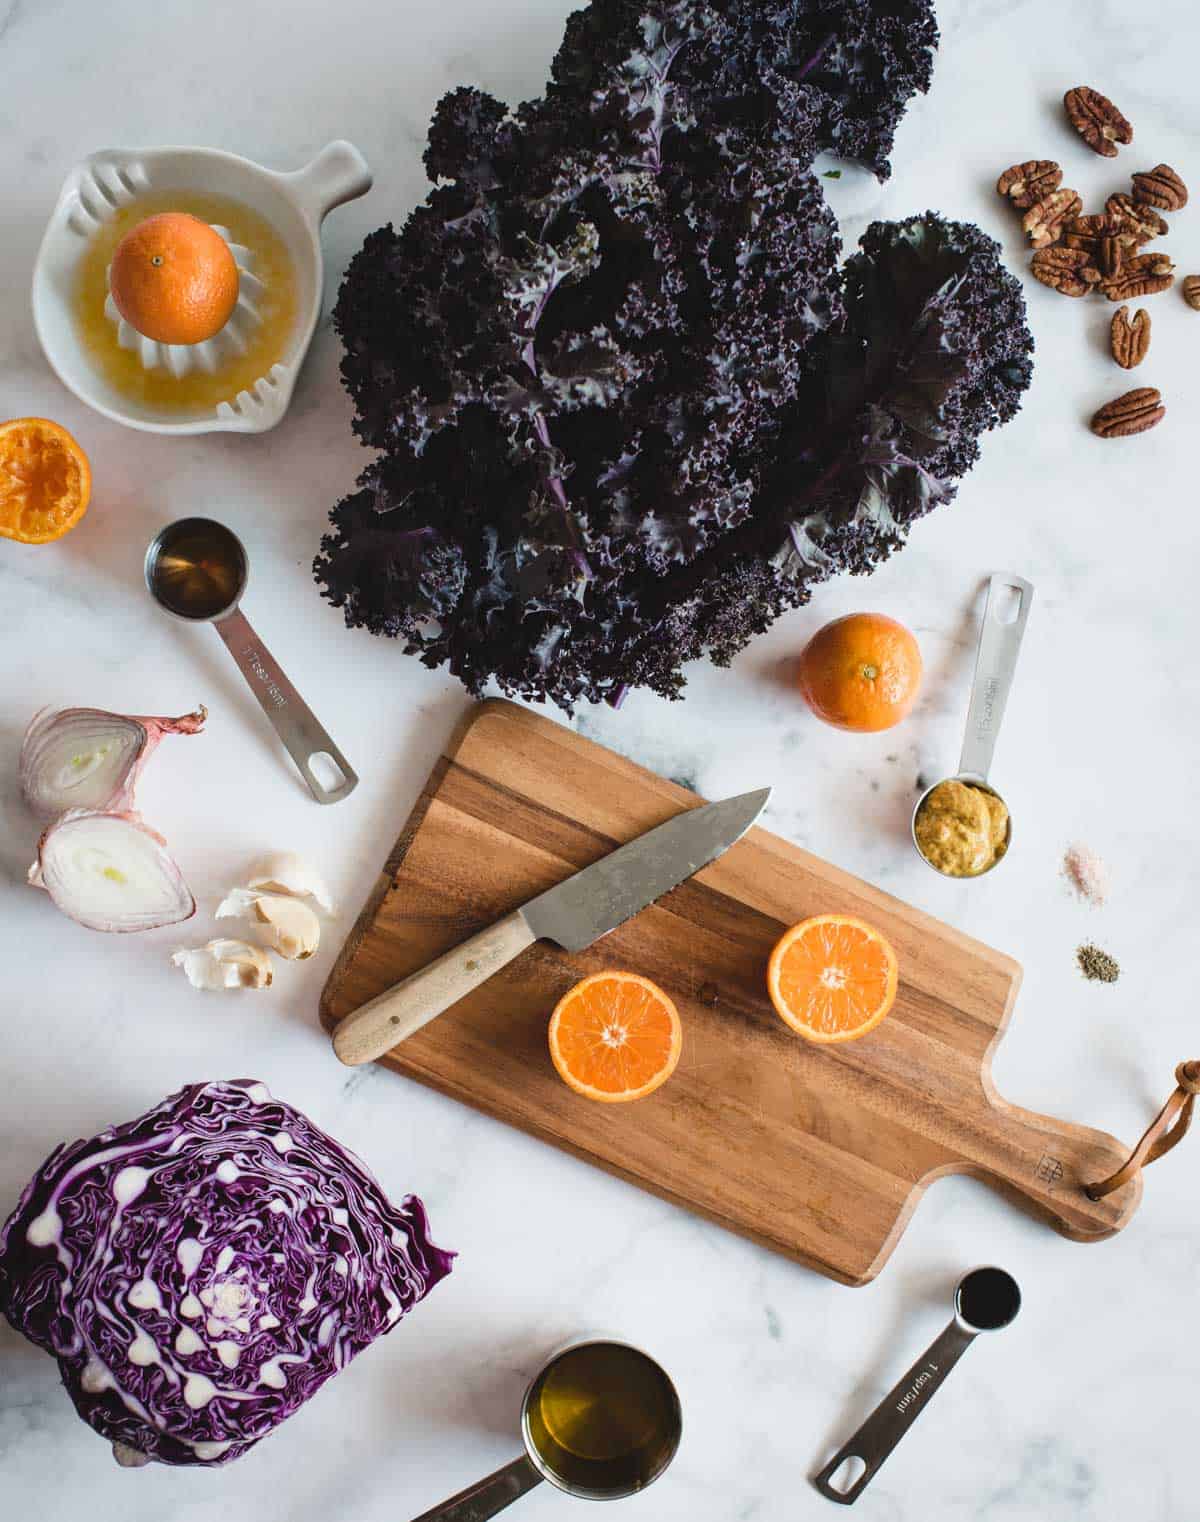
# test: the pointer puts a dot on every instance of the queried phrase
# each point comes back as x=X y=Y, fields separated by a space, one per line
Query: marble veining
x=1083 y=1410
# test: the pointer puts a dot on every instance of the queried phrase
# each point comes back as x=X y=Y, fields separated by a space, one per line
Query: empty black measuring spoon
x=986 y=1300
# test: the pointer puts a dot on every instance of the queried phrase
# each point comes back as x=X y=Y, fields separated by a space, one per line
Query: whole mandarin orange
x=174 y=279
x=861 y=672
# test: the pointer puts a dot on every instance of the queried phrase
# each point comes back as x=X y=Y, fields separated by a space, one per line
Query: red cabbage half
x=200 y=1272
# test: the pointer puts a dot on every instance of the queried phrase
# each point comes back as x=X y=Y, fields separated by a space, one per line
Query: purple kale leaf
x=798 y=75
x=629 y=406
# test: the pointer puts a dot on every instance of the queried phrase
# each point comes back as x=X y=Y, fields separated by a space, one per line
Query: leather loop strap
x=1167 y=1130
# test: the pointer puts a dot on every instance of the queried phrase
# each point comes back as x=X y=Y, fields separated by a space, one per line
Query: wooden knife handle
x=1046 y=1165
x=393 y=1016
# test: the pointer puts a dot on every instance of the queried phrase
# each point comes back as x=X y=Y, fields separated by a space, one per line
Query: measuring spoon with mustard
x=196 y=570
x=961 y=826
x=986 y=1300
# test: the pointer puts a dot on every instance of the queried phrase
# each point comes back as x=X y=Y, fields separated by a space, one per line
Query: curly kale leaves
x=797 y=75
x=629 y=405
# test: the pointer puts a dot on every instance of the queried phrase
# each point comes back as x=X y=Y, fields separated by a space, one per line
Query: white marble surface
x=1084 y=1410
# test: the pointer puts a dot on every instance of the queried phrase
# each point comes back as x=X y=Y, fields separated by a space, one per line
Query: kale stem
x=810 y=65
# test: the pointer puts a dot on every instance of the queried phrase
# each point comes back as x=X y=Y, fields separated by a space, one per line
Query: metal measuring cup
x=995 y=664
x=985 y=1300
x=490 y=1496
x=221 y=578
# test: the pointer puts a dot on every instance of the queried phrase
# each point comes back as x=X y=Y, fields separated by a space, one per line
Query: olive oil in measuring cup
x=603 y=1418
x=600 y=1420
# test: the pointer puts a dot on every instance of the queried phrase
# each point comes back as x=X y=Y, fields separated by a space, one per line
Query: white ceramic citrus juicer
x=294 y=204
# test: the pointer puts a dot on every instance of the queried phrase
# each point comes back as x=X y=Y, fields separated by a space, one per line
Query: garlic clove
x=287 y=872
x=225 y=964
x=290 y=926
x=111 y=872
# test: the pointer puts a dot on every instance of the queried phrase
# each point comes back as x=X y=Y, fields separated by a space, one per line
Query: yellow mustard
x=961 y=829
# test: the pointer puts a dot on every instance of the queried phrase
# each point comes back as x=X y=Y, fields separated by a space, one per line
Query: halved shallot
x=109 y=871
x=87 y=758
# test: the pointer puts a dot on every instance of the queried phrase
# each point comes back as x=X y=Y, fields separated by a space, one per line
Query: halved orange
x=616 y=1036
x=45 y=480
x=832 y=978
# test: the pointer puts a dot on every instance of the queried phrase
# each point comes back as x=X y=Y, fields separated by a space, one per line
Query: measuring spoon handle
x=486 y=1497
x=999 y=644
x=894 y=1415
x=294 y=721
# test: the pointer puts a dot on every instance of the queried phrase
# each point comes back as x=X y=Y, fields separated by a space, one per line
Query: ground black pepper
x=1096 y=965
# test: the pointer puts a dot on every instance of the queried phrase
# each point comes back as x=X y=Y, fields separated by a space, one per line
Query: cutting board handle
x=1047 y=1164
x=382 y=1023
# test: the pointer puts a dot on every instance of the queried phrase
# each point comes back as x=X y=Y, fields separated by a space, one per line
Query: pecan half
x=1143 y=275
x=1066 y=270
x=1160 y=187
x=1024 y=184
x=1129 y=340
x=1044 y=222
x=1191 y=291
x=1090 y=232
x=1134 y=412
x=1144 y=220
x=1097 y=120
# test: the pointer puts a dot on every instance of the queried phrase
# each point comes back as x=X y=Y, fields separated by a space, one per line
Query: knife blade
x=573 y=914
x=612 y=890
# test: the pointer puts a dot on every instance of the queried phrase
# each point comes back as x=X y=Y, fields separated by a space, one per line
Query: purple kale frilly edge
x=629 y=403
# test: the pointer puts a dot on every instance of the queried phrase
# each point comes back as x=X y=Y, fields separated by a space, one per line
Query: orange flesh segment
x=832 y=978
x=45 y=482
x=615 y=1036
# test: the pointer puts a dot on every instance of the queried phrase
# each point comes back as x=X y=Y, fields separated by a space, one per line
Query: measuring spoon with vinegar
x=196 y=570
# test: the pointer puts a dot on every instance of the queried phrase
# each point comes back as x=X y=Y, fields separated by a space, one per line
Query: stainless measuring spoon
x=995 y=664
x=592 y=1370
x=986 y=1300
x=196 y=570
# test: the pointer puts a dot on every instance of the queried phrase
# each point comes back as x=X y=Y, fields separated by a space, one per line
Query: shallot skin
x=48 y=797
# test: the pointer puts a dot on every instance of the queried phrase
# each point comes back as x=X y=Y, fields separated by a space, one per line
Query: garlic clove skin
x=225 y=964
x=289 y=926
x=110 y=872
x=288 y=873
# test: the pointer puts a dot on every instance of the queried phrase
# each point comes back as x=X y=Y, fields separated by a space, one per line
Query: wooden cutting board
x=818 y=1152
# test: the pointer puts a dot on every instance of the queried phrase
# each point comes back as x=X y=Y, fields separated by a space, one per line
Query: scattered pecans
x=1075 y=254
x=1066 y=270
x=1134 y=412
x=1129 y=339
x=1043 y=223
x=1143 y=275
x=1142 y=220
x=1160 y=187
x=1097 y=120
x=1026 y=184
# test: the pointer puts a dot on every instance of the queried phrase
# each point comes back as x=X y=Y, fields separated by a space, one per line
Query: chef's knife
x=573 y=914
